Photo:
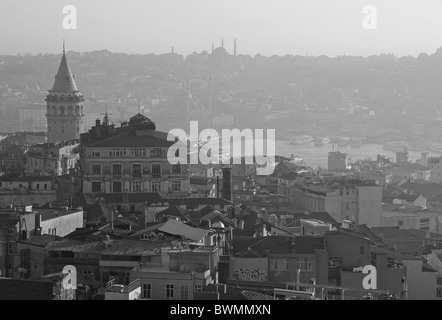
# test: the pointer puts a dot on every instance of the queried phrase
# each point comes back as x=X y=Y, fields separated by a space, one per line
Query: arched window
x=48 y=111
x=54 y=110
x=81 y=109
x=62 y=110
x=70 y=110
x=77 y=110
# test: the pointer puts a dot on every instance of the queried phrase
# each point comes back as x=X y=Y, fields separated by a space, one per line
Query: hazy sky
x=331 y=27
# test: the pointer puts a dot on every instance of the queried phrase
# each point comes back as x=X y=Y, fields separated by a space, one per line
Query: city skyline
x=298 y=28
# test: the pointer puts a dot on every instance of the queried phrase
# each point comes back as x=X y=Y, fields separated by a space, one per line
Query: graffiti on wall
x=246 y=274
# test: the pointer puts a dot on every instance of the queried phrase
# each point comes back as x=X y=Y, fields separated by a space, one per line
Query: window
x=400 y=223
x=9 y=248
x=156 y=170
x=96 y=153
x=35 y=266
x=116 y=169
x=303 y=264
x=147 y=290
x=115 y=152
x=361 y=249
x=96 y=169
x=184 y=293
x=136 y=186
x=170 y=289
x=136 y=169
x=96 y=186
x=279 y=264
x=176 y=168
x=10 y=231
x=139 y=152
x=198 y=288
x=334 y=262
x=176 y=185
x=46 y=186
x=156 y=187
x=38 y=186
x=156 y=153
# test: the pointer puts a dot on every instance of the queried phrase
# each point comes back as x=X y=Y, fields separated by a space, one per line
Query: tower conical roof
x=64 y=80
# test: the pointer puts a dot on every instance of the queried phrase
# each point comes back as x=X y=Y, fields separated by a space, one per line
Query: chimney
x=97 y=122
x=227 y=184
x=37 y=226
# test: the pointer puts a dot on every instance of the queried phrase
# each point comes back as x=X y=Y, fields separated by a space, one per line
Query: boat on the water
x=356 y=142
x=321 y=141
x=396 y=146
x=301 y=139
x=343 y=142
x=436 y=147
x=418 y=146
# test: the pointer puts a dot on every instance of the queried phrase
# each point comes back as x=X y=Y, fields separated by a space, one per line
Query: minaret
x=234 y=48
x=64 y=105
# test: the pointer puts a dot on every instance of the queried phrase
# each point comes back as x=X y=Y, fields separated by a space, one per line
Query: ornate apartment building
x=130 y=159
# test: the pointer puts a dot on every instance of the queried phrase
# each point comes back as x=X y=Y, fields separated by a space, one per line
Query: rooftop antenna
x=188 y=93
x=222 y=43
x=139 y=105
x=211 y=94
x=64 y=47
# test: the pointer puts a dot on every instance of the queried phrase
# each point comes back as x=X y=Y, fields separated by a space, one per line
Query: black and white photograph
x=221 y=157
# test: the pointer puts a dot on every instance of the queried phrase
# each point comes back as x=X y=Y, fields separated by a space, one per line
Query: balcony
x=156 y=175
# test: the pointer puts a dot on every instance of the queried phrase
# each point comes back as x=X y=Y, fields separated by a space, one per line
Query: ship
x=396 y=146
x=436 y=147
x=356 y=142
x=301 y=140
x=343 y=142
x=321 y=141
x=418 y=146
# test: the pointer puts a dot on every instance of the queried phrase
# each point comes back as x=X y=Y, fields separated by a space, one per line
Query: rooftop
x=177 y=228
x=64 y=80
x=394 y=234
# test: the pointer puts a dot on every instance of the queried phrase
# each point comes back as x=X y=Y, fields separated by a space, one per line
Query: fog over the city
x=405 y=27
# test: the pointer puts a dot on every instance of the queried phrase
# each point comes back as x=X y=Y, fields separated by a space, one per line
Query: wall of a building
x=370 y=205
x=249 y=269
x=29 y=198
x=348 y=248
x=64 y=224
x=421 y=285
